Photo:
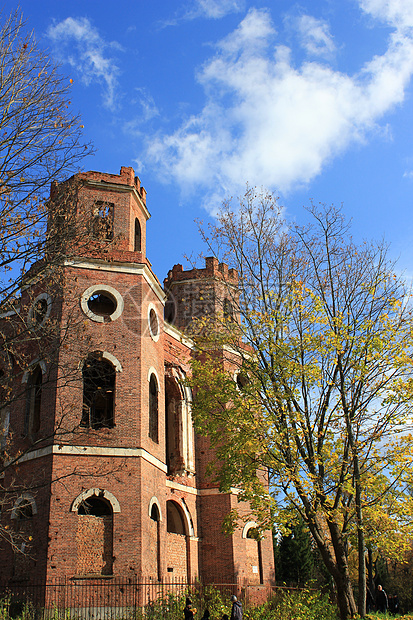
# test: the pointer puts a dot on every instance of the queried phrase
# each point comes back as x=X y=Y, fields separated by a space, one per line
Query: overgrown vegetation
x=285 y=604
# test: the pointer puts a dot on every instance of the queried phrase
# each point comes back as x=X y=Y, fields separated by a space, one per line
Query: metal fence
x=116 y=598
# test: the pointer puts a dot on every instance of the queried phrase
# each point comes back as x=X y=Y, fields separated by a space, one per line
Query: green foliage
x=295 y=605
x=295 y=556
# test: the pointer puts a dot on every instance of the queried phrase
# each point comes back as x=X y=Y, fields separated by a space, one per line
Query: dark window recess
x=102 y=223
x=40 y=310
x=170 y=311
x=138 y=237
x=34 y=401
x=101 y=304
x=24 y=511
x=153 y=320
x=99 y=378
x=155 y=513
x=153 y=408
x=174 y=520
x=228 y=309
x=242 y=380
x=95 y=506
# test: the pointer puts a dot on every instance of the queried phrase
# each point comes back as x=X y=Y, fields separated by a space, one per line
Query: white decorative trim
x=113 y=360
x=154 y=500
x=94 y=451
x=152 y=371
x=136 y=269
x=27 y=373
x=104 y=288
x=97 y=493
x=177 y=335
x=25 y=497
x=155 y=337
x=247 y=527
x=201 y=492
x=30 y=315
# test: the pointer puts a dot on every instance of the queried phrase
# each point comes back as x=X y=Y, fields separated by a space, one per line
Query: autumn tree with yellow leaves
x=324 y=349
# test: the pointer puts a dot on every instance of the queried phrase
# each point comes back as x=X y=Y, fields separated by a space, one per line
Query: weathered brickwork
x=121 y=485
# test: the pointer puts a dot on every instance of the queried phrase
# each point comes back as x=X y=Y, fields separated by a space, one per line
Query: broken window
x=34 y=400
x=99 y=379
x=138 y=237
x=102 y=222
x=153 y=408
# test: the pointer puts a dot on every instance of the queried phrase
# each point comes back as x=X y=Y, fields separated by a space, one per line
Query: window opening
x=40 y=310
x=228 y=309
x=153 y=408
x=34 y=400
x=153 y=322
x=95 y=506
x=155 y=513
x=102 y=304
x=242 y=380
x=99 y=379
x=175 y=523
x=138 y=236
x=170 y=311
x=173 y=426
x=102 y=225
x=24 y=510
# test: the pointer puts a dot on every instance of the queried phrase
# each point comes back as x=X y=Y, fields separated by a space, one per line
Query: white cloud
x=271 y=123
x=215 y=9
x=315 y=35
x=79 y=43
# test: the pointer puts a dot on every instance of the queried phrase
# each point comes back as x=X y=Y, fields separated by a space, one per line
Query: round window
x=153 y=323
x=102 y=303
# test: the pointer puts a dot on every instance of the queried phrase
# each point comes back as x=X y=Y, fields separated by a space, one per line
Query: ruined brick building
x=124 y=489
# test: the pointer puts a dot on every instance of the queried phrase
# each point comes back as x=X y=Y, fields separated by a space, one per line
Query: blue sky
x=313 y=100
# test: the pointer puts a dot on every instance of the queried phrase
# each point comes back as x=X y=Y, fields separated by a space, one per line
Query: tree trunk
x=337 y=566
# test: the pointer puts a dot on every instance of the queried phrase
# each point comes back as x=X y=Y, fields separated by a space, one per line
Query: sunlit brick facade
x=123 y=491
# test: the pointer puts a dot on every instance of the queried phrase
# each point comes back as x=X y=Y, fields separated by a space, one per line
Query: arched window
x=95 y=537
x=34 y=400
x=138 y=237
x=174 y=520
x=99 y=378
x=153 y=408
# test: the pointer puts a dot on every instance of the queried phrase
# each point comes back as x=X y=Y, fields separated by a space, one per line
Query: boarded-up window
x=95 y=537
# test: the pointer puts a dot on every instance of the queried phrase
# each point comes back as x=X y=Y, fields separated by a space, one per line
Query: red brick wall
x=94 y=543
x=176 y=553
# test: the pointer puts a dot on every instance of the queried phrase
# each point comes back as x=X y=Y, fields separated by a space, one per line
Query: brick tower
x=109 y=433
